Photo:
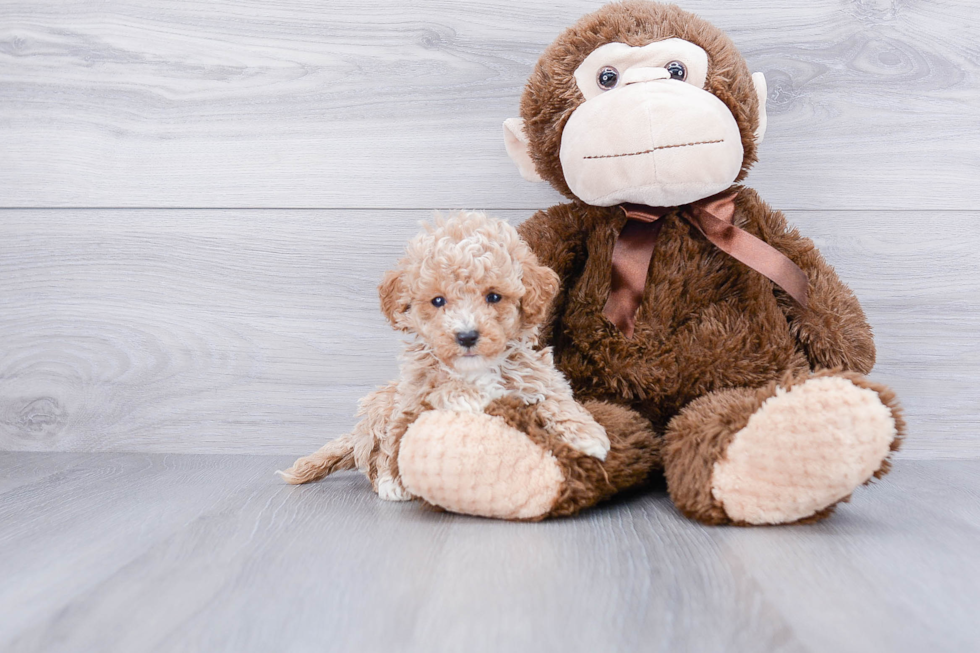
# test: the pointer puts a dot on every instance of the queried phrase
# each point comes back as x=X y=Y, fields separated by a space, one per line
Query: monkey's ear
x=762 y=92
x=392 y=304
x=515 y=140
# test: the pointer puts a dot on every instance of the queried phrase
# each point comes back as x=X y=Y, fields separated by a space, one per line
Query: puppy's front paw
x=589 y=438
x=391 y=490
x=594 y=449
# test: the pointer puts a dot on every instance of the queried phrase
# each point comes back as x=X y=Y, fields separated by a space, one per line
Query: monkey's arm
x=833 y=330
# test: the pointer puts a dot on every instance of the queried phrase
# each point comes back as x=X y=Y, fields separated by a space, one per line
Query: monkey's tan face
x=648 y=132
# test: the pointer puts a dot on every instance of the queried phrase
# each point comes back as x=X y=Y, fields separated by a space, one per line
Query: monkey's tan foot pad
x=803 y=450
x=478 y=465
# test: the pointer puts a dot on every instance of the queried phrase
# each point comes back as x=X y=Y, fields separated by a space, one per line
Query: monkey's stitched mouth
x=653 y=149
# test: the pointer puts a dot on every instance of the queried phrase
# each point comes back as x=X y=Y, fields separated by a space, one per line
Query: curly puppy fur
x=468 y=273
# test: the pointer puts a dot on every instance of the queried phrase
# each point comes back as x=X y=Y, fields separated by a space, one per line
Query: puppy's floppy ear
x=393 y=304
x=540 y=287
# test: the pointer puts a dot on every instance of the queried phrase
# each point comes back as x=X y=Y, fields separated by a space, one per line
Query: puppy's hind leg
x=334 y=456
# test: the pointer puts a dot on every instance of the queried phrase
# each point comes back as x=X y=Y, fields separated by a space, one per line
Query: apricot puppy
x=475 y=296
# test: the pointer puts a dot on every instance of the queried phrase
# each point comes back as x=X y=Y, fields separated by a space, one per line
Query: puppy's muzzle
x=467 y=338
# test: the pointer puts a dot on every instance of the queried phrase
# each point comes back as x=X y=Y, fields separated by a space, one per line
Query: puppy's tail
x=334 y=456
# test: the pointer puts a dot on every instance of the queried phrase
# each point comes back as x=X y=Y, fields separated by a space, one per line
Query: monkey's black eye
x=493 y=298
x=677 y=70
x=607 y=78
x=439 y=302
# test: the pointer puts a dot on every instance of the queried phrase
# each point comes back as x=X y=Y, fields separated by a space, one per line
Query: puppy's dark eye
x=677 y=70
x=439 y=302
x=607 y=78
x=493 y=298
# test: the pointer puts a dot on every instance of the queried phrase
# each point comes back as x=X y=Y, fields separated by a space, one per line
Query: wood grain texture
x=135 y=552
x=256 y=331
x=398 y=104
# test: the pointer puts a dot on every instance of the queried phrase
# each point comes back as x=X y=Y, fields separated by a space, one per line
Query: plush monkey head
x=639 y=102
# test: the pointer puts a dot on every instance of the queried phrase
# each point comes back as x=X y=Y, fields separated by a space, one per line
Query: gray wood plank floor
x=154 y=552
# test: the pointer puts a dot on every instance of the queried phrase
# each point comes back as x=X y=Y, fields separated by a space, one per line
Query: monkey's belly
x=666 y=365
x=705 y=322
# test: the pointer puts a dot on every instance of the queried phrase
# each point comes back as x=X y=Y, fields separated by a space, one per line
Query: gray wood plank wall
x=198 y=198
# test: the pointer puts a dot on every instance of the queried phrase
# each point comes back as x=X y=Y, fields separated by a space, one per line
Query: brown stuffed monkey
x=711 y=341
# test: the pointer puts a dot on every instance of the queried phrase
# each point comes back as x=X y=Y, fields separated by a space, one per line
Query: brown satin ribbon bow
x=713 y=217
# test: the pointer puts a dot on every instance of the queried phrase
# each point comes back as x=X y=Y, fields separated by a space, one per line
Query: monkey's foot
x=802 y=451
x=478 y=465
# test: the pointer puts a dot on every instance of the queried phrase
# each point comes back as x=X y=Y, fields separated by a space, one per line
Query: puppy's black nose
x=467 y=338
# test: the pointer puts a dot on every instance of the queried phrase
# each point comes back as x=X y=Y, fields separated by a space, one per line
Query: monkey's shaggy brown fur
x=713 y=338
